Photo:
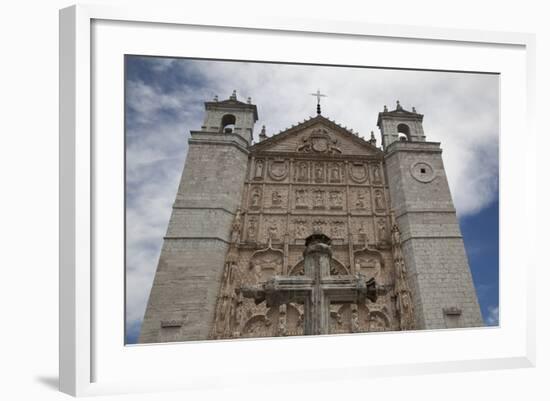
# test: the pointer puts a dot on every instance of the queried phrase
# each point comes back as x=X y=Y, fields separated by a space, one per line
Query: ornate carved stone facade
x=314 y=178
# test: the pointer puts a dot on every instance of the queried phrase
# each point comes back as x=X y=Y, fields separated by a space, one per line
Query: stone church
x=314 y=230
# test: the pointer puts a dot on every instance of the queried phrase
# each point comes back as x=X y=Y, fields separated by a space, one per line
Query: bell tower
x=198 y=234
x=400 y=125
x=231 y=116
x=438 y=270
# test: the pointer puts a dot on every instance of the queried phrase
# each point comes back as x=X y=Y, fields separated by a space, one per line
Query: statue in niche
x=379 y=200
x=302 y=171
x=376 y=174
x=301 y=198
x=381 y=230
x=362 y=234
x=276 y=199
x=335 y=173
x=239 y=310
x=319 y=172
x=252 y=226
x=255 y=201
x=272 y=231
x=257 y=272
x=259 y=169
x=318 y=199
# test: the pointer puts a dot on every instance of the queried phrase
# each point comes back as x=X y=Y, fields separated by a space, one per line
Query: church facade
x=310 y=231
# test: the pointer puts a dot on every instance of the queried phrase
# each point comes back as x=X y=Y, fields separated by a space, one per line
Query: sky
x=165 y=101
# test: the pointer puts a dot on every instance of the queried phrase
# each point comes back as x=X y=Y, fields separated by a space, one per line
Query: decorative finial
x=414 y=109
x=234 y=95
x=318 y=95
x=249 y=100
x=263 y=135
x=385 y=109
x=372 y=139
x=216 y=98
x=398 y=107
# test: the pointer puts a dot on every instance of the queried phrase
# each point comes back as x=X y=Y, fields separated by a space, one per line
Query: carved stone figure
x=382 y=230
x=301 y=198
x=319 y=172
x=252 y=229
x=259 y=169
x=336 y=200
x=300 y=229
x=319 y=199
x=236 y=227
x=255 y=198
x=379 y=200
x=360 y=202
x=276 y=199
x=376 y=174
x=335 y=173
x=301 y=174
x=272 y=232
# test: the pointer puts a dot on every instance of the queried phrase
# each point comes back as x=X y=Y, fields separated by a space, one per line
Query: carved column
x=317 y=257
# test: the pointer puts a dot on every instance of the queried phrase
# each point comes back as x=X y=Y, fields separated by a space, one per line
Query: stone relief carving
x=358 y=172
x=252 y=230
x=282 y=326
x=337 y=229
x=336 y=199
x=382 y=230
x=236 y=227
x=259 y=169
x=368 y=262
x=319 y=172
x=278 y=169
x=301 y=173
x=376 y=175
x=319 y=141
x=301 y=198
x=335 y=172
x=378 y=321
x=276 y=199
x=266 y=263
x=318 y=199
x=379 y=202
x=255 y=198
x=361 y=200
x=300 y=229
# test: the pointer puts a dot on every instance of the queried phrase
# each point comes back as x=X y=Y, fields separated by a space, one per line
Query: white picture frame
x=93 y=358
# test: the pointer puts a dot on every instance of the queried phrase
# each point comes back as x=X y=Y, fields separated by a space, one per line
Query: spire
x=263 y=135
x=372 y=139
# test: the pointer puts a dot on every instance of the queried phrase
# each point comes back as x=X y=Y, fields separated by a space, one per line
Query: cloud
x=165 y=101
x=492 y=318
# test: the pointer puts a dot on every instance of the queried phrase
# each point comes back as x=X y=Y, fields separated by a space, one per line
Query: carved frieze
x=361 y=201
x=335 y=172
x=278 y=197
x=336 y=199
x=318 y=199
x=301 y=198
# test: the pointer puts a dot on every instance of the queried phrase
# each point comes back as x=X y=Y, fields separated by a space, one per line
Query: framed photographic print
x=341 y=198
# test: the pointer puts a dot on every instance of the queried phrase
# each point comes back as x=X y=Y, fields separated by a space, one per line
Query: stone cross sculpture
x=316 y=289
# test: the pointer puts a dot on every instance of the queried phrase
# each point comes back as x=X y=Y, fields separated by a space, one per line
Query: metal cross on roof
x=318 y=95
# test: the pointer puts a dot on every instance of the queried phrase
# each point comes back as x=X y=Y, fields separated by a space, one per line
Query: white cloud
x=460 y=111
x=493 y=316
